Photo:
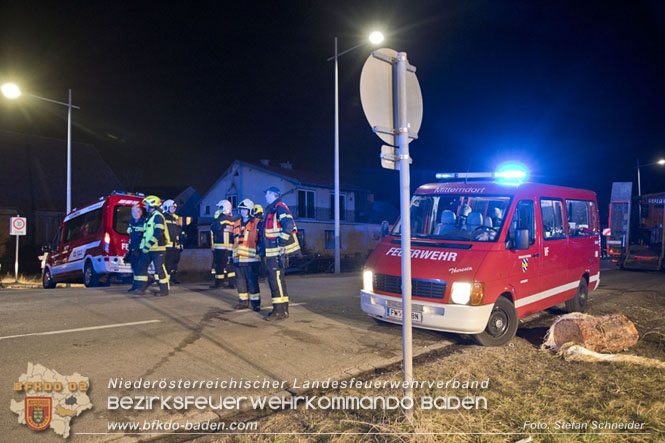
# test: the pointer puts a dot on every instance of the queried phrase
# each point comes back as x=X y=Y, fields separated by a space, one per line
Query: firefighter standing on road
x=173 y=248
x=278 y=234
x=135 y=231
x=222 y=245
x=153 y=247
x=245 y=257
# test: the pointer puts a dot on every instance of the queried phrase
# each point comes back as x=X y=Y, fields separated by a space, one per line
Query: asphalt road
x=194 y=334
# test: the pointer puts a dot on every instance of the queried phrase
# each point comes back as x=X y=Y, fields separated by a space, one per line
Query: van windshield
x=457 y=217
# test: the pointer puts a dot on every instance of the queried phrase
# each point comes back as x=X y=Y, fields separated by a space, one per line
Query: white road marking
x=91 y=328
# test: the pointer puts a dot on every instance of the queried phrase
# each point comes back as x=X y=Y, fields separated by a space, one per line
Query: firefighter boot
x=163 y=290
x=173 y=279
x=217 y=284
x=256 y=305
x=278 y=312
x=242 y=304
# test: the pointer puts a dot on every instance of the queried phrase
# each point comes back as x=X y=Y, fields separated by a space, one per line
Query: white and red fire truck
x=487 y=253
x=91 y=243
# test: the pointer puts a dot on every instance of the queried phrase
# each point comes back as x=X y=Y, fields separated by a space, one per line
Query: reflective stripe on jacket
x=174 y=227
x=135 y=231
x=245 y=237
x=279 y=230
x=222 y=232
x=155 y=236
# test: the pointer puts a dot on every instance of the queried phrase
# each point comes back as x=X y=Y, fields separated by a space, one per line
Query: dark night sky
x=170 y=96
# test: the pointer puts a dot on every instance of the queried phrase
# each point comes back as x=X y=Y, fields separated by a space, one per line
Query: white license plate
x=397 y=314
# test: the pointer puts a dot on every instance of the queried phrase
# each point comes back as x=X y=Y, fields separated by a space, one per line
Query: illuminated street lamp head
x=376 y=37
x=661 y=161
x=10 y=90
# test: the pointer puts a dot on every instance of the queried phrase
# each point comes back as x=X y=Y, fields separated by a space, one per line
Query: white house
x=310 y=199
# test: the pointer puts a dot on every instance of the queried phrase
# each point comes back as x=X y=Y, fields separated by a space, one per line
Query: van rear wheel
x=501 y=326
x=579 y=301
x=90 y=277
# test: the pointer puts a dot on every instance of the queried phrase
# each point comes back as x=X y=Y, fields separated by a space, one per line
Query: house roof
x=303 y=176
x=33 y=173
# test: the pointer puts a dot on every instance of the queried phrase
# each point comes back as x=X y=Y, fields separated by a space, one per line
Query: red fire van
x=485 y=254
x=91 y=243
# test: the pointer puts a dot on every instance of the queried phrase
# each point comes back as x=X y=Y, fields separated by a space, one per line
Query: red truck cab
x=91 y=243
x=485 y=254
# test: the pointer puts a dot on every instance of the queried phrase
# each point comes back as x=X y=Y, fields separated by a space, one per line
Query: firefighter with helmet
x=222 y=245
x=153 y=247
x=174 y=247
x=245 y=257
x=135 y=232
x=278 y=234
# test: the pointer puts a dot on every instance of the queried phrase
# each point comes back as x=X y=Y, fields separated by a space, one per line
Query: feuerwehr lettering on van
x=425 y=254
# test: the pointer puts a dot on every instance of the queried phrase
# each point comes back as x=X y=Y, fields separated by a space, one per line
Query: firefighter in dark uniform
x=257 y=213
x=153 y=247
x=279 y=238
x=222 y=245
x=135 y=231
x=245 y=258
x=173 y=248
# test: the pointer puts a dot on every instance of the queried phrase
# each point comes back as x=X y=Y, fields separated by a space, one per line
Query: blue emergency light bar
x=507 y=173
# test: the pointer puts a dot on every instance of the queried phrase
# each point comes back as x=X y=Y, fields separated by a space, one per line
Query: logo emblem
x=525 y=264
x=38 y=412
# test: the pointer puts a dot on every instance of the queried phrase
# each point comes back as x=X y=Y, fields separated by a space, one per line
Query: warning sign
x=18 y=226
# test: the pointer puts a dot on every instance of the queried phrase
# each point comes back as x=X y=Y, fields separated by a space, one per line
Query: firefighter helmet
x=246 y=204
x=167 y=204
x=225 y=206
x=152 y=201
x=257 y=211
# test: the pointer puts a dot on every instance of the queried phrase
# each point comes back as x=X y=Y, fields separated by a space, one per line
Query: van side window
x=56 y=242
x=552 y=213
x=582 y=218
x=523 y=218
x=83 y=225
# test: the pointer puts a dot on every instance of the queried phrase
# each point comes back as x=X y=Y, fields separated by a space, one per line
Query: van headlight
x=467 y=293
x=368 y=281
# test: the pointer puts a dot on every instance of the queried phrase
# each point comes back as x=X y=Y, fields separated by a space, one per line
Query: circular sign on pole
x=17 y=226
x=377 y=96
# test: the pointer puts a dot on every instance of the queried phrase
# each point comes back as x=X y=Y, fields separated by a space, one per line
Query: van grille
x=419 y=288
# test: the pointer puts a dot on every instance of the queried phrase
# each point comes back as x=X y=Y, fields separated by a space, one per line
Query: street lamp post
x=12 y=91
x=374 y=38
x=660 y=162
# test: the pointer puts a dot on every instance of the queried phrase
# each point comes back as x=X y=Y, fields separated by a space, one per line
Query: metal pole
x=69 y=153
x=336 y=203
x=405 y=193
x=16 y=262
x=639 y=194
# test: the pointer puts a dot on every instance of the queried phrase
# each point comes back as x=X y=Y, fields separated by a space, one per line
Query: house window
x=305 y=203
x=330 y=240
x=233 y=199
x=342 y=206
x=207 y=210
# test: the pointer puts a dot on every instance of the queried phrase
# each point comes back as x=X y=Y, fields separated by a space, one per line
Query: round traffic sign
x=377 y=95
x=18 y=224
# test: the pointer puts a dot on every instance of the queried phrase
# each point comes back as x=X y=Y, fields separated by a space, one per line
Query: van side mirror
x=522 y=239
x=385 y=228
x=46 y=248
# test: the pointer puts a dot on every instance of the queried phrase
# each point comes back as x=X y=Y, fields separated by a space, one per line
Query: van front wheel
x=47 y=279
x=501 y=326
x=579 y=301
x=90 y=277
